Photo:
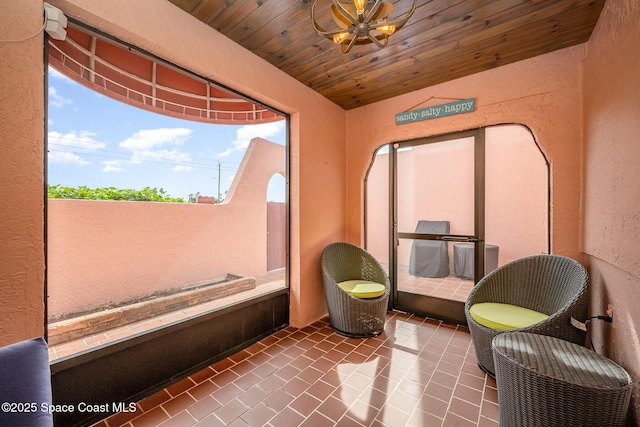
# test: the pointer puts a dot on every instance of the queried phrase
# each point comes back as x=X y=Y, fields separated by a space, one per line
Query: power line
x=80 y=150
x=82 y=147
x=150 y=159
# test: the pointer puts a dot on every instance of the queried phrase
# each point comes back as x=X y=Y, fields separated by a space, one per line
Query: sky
x=95 y=141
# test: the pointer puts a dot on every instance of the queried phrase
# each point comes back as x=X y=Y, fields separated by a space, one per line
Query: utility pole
x=219 y=195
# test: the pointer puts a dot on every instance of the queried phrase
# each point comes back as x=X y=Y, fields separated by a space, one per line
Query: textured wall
x=612 y=130
x=612 y=183
x=21 y=172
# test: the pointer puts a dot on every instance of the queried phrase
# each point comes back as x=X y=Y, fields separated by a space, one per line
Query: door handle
x=461 y=239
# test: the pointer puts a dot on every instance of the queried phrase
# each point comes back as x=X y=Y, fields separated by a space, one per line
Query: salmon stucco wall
x=542 y=93
x=612 y=184
x=22 y=266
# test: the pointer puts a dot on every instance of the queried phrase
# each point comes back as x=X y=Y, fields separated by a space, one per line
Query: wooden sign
x=436 y=111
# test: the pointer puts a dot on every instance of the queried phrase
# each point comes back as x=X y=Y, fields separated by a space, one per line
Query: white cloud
x=150 y=138
x=246 y=133
x=67 y=148
x=75 y=141
x=166 y=156
x=112 y=166
x=56 y=100
x=55 y=74
x=66 y=158
x=146 y=145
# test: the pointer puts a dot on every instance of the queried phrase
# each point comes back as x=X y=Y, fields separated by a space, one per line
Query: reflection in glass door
x=438 y=187
x=441 y=212
x=378 y=208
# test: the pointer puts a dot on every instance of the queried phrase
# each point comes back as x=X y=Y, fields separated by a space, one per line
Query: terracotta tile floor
x=419 y=372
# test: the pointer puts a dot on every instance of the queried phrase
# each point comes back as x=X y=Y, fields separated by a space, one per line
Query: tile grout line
x=329 y=344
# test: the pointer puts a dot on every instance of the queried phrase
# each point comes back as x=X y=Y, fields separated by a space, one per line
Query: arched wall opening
x=516 y=201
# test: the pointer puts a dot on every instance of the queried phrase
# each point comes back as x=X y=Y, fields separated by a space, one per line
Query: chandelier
x=361 y=25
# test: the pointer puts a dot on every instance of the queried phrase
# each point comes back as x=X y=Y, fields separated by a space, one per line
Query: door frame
x=424 y=305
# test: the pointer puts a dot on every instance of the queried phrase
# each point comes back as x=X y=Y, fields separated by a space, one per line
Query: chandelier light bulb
x=387 y=29
x=340 y=37
x=359 y=4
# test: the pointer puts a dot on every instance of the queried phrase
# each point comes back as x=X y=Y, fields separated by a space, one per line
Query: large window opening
x=167 y=194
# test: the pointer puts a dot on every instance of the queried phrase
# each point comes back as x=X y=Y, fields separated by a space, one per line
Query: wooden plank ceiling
x=443 y=40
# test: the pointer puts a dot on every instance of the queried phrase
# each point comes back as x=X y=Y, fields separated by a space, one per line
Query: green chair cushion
x=504 y=317
x=363 y=288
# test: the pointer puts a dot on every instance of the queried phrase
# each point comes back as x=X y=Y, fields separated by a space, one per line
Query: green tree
x=147 y=194
x=193 y=198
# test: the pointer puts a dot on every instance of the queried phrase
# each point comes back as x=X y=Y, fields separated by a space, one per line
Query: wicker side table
x=544 y=381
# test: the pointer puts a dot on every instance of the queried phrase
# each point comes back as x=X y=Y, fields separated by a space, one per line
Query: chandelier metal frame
x=357 y=23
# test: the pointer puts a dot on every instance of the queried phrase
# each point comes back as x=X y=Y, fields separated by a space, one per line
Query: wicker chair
x=549 y=284
x=351 y=316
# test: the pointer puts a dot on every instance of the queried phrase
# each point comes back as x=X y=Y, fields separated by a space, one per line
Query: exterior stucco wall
x=21 y=172
x=611 y=187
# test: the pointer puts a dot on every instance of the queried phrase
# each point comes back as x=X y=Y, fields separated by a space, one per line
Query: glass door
x=437 y=223
x=437 y=227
